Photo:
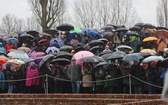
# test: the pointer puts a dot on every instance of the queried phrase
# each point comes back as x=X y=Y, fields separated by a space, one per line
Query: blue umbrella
x=2 y=48
x=12 y=40
x=71 y=36
x=59 y=41
x=94 y=34
x=53 y=49
x=87 y=30
x=19 y=32
x=133 y=57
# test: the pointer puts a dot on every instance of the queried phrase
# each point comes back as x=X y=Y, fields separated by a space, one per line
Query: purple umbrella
x=38 y=54
x=38 y=60
x=59 y=41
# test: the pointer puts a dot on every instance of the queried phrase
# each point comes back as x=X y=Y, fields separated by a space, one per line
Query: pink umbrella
x=37 y=54
x=82 y=54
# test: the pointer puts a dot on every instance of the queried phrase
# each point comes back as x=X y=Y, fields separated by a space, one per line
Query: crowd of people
x=69 y=60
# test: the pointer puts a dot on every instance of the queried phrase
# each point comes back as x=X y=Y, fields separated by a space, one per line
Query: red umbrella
x=162 y=32
x=2 y=61
x=43 y=42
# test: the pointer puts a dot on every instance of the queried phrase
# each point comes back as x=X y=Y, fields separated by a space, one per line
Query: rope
x=146 y=82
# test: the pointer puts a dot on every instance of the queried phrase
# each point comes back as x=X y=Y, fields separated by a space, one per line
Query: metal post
x=130 y=83
x=46 y=84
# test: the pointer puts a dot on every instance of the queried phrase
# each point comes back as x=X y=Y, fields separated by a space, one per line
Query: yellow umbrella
x=150 y=39
x=148 y=51
x=4 y=58
x=24 y=49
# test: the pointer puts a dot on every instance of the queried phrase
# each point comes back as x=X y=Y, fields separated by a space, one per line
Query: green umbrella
x=76 y=31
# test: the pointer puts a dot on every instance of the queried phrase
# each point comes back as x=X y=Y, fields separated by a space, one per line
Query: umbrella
x=4 y=58
x=33 y=33
x=105 y=41
x=106 y=56
x=29 y=60
x=15 y=64
x=162 y=32
x=139 y=24
x=88 y=60
x=130 y=33
x=152 y=58
x=148 y=25
x=87 y=30
x=19 y=32
x=95 y=48
x=148 y=51
x=59 y=41
x=2 y=34
x=66 y=47
x=2 y=61
x=61 y=61
x=53 y=49
x=100 y=59
x=107 y=28
x=120 y=53
x=82 y=54
x=95 y=42
x=135 y=28
x=37 y=54
x=123 y=47
x=12 y=40
x=45 y=59
x=37 y=60
x=106 y=52
x=24 y=49
x=24 y=36
x=51 y=31
x=133 y=57
x=75 y=31
x=43 y=42
x=65 y=27
x=107 y=34
x=94 y=34
x=121 y=29
x=161 y=28
x=18 y=54
x=45 y=34
x=115 y=56
x=63 y=54
x=150 y=39
x=100 y=64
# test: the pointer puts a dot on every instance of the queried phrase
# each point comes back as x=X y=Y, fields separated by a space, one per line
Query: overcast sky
x=146 y=9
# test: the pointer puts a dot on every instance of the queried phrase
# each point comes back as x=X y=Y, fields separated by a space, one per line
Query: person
x=116 y=40
x=107 y=48
x=74 y=73
x=55 y=44
x=135 y=44
x=2 y=78
x=113 y=71
x=161 y=44
x=86 y=77
x=138 y=72
x=32 y=72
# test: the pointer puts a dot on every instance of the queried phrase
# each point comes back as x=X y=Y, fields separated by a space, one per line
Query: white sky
x=146 y=9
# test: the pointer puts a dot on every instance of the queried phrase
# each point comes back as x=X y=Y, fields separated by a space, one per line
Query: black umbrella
x=66 y=47
x=115 y=27
x=107 y=28
x=140 y=24
x=95 y=48
x=121 y=29
x=135 y=28
x=95 y=42
x=110 y=34
x=106 y=52
x=45 y=59
x=88 y=60
x=101 y=64
x=161 y=28
x=51 y=31
x=104 y=40
x=148 y=25
x=24 y=36
x=100 y=59
x=130 y=33
x=65 y=27
x=33 y=33
x=63 y=54
x=106 y=56
x=61 y=61
x=115 y=56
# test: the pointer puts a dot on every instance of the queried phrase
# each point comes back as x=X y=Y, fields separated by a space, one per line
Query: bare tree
x=162 y=13
x=48 y=12
x=11 y=23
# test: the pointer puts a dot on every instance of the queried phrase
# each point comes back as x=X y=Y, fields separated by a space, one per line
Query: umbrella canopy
x=29 y=60
x=37 y=54
x=107 y=28
x=130 y=33
x=161 y=28
x=43 y=42
x=95 y=48
x=88 y=59
x=4 y=58
x=18 y=54
x=148 y=25
x=105 y=41
x=140 y=24
x=100 y=64
x=65 y=27
x=19 y=32
x=123 y=48
x=121 y=29
x=162 y=32
x=135 y=28
x=66 y=47
x=45 y=34
x=37 y=60
x=52 y=49
x=63 y=54
x=24 y=36
x=115 y=56
x=120 y=53
x=12 y=41
x=82 y=54
x=152 y=58
x=133 y=57
x=108 y=34
x=33 y=33
x=95 y=42
x=61 y=61
x=15 y=64
x=94 y=34
x=100 y=59
x=75 y=31
x=150 y=39
x=51 y=31
x=106 y=56
x=45 y=59
x=24 y=49
x=148 y=51
x=105 y=52
x=2 y=61
x=59 y=41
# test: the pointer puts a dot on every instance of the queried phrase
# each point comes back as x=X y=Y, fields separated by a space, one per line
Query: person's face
x=74 y=61
x=47 y=63
x=136 y=63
